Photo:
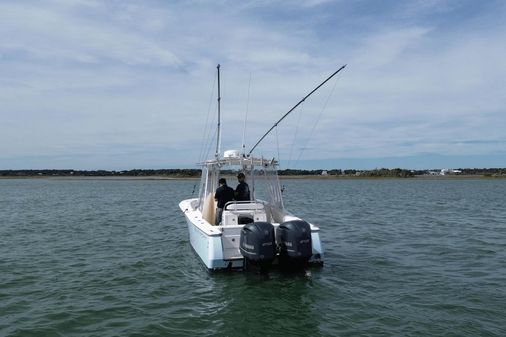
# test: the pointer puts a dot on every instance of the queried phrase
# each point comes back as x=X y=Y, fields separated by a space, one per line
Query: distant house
x=325 y=173
x=450 y=171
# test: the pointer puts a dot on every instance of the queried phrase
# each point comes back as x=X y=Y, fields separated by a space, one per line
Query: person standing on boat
x=223 y=195
x=242 y=190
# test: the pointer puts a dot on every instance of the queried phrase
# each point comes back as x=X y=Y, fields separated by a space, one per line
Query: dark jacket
x=242 y=192
x=223 y=195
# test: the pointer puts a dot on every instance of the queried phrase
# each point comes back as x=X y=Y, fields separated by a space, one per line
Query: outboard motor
x=294 y=243
x=258 y=245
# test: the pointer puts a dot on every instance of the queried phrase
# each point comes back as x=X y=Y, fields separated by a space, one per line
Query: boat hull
x=208 y=242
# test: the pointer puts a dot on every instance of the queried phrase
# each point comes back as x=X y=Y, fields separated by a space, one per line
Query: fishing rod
x=296 y=105
x=246 y=119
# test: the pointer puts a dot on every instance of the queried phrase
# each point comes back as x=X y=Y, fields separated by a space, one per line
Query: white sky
x=128 y=84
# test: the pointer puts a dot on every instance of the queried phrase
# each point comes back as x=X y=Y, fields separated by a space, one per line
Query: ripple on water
x=402 y=257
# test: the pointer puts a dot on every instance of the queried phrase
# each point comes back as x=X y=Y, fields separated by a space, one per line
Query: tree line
x=181 y=173
x=192 y=173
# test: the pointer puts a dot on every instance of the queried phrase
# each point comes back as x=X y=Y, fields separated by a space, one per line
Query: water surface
x=112 y=258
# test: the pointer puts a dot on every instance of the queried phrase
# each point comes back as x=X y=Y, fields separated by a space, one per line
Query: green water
x=112 y=258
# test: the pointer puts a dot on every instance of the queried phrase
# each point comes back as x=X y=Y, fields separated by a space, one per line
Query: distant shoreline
x=56 y=177
x=181 y=174
x=291 y=177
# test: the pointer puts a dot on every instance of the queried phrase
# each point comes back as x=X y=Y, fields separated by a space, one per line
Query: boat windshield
x=266 y=186
x=208 y=184
x=261 y=176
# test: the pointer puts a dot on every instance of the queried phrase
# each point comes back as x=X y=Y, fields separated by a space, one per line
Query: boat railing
x=244 y=205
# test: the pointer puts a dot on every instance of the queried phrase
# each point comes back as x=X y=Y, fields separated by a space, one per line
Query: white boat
x=258 y=231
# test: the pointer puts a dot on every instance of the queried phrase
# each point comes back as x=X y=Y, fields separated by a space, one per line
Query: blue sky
x=129 y=84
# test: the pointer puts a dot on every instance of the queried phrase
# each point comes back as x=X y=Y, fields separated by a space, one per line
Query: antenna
x=218 y=138
x=246 y=120
x=296 y=105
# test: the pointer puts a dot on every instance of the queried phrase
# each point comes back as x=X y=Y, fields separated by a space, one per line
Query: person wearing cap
x=223 y=195
x=242 y=189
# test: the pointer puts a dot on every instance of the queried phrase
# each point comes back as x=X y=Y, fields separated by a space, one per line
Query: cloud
x=90 y=79
x=58 y=35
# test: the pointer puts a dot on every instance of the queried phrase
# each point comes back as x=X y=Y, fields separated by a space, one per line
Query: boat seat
x=239 y=206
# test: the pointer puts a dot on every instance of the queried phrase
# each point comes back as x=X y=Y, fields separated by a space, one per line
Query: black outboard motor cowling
x=294 y=243
x=258 y=244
